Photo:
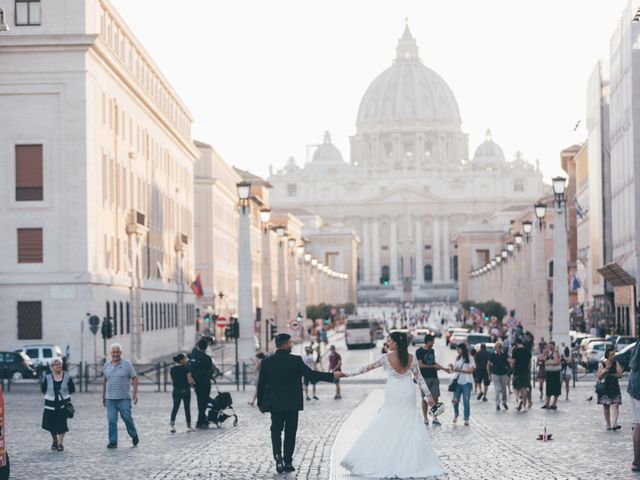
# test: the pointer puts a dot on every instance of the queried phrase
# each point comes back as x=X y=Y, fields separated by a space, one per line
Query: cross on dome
x=407 y=48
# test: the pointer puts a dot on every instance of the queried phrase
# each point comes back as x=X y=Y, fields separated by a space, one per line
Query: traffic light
x=273 y=330
x=326 y=321
x=233 y=330
x=106 y=329
x=207 y=318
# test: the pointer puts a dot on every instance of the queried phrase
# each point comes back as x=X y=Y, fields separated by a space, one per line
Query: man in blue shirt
x=118 y=375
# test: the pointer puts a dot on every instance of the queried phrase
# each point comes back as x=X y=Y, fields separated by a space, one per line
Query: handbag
x=454 y=383
x=600 y=387
x=68 y=409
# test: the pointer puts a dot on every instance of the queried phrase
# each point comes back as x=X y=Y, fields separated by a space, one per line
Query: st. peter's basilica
x=409 y=186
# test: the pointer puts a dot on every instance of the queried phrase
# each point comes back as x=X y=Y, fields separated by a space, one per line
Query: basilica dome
x=409 y=91
x=488 y=154
x=327 y=152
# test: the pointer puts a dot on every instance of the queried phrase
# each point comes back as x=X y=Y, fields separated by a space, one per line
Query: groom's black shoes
x=279 y=465
x=289 y=468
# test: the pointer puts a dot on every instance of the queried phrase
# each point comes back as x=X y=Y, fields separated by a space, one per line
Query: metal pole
x=245 y=294
x=237 y=365
x=560 y=279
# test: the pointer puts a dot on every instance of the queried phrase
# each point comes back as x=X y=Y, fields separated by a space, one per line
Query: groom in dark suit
x=280 y=392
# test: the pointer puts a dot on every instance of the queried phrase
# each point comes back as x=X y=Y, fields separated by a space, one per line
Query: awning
x=616 y=275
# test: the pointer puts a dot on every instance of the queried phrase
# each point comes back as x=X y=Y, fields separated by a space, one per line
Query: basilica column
x=375 y=240
x=436 y=250
x=446 y=255
x=366 y=252
x=393 y=252
x=419 y=252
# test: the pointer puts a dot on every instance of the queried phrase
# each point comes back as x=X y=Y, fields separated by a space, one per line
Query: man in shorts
x=520 y=362
x=309 y=362
x=429 y=369
x=482 y=377
x=335 y=365
x=633 y=390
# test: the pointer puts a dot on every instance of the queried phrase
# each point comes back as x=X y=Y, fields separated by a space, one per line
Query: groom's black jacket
x=280 y=382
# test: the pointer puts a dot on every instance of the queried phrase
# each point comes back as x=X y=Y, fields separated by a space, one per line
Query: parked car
x=474 y=339
x=359 y=330
x=586 y=341
x=593 y=353
x=42 y=354
x=623 y=357
x=16 y=365
x=577 y=339
x=456 y=338
x=491 y=347
x=623 y=341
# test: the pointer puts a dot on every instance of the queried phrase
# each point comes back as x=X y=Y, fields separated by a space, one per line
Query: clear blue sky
x=264 y=79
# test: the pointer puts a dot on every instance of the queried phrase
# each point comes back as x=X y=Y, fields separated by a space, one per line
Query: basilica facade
x=409 y=186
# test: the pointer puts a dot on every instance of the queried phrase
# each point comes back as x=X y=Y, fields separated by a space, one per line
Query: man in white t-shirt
x=309 y=361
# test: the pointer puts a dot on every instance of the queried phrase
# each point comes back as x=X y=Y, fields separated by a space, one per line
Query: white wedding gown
x=396 y=443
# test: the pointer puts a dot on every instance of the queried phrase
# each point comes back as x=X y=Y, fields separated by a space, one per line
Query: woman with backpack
x=57 y=388
x=182 y=382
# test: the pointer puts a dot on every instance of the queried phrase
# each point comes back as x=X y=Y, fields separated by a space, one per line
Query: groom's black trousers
x=289 y=422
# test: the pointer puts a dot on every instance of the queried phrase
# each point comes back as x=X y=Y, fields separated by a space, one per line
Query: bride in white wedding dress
x=396 y=443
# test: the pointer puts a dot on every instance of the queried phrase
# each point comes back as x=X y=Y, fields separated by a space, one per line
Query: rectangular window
x=28 y=172
x=292 y=190
x=518 y=185
x=30 y=245
x=27 y=12
x=29 y=320
x=128 y=320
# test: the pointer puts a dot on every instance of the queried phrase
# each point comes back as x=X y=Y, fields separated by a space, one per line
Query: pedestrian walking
x=318 y=357
x=335 y=365
x=57 y=388
x=520 y=363
x=119 y=375
x=201 y=368
x=182 y=382
x=257 y=361
x=464 y=366
x=497 y=368
x=609 y=371
x=309 y=361
x=633 y=389
x=541 y=375
x=552 y=375
x=482 y=377
x=280 y=392
x=426 y=357
x=566 y=370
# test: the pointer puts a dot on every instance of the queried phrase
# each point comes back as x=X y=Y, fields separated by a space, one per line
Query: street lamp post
x=293 y=277
x=267 y=292
x=282 y=293
x=560 y=265
x=136 y=229
x=246 y=347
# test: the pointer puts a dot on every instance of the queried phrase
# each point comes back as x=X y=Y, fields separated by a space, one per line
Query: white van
x=360 y=331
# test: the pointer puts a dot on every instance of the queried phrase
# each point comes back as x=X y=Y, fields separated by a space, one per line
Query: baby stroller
x=221 y=408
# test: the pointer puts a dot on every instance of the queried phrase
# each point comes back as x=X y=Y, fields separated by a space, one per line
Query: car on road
x=417 y=335
x=491 y=347
x=623 y=357
x=451 y=331
x=434 y=329
x=42 y=354
x=587 y=340
x=458 y=337
x=359 y=331
x=622 y=341
x=474 y=339
x=594 y=353
x=16 y=365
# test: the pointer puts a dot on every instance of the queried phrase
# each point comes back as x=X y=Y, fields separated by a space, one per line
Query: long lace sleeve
x=367 y=368
x=418 y=378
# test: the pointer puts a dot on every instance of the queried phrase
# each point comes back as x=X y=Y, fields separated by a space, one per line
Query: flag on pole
x=575 y=283
x=196 y=286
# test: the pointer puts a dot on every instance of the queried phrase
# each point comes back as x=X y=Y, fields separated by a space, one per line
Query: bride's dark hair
x=403 y=347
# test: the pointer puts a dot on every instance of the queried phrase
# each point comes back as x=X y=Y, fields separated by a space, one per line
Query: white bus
x=360 y=330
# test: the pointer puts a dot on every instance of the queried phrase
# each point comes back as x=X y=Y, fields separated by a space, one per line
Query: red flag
x=196 y=286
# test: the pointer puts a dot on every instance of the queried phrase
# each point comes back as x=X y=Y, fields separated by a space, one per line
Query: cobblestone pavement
x=497 y=445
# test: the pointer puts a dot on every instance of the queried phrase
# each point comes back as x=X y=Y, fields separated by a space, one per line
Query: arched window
x=384 y=275
x=428 y=273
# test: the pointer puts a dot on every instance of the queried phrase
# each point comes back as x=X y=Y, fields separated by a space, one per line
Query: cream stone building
x=96 y=169
x=409 y=186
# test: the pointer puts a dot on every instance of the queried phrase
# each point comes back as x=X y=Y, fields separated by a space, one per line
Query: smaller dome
x=327 y=151
x=488 y=153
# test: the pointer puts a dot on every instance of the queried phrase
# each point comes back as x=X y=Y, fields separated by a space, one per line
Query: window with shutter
x=29 y=320
x=30 y=245
x=28 y=172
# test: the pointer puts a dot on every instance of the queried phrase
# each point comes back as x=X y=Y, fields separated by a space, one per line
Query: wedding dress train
x=396 y=443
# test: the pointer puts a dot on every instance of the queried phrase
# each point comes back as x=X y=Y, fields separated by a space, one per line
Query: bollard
x=237 y=376
x=244 y=375
x=80 y=377
x=86 y=379
x=164 y=374
x=158 y=375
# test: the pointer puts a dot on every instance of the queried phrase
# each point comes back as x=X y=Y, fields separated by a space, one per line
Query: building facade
x=97 y=181
x=409 y=186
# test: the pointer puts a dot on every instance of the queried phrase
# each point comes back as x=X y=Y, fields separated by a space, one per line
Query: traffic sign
x=94 y=324
x=294 y=325
x=221 y=322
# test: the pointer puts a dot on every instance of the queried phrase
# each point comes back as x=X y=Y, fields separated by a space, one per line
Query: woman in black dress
x=609 y=371
x=57 y=387
x=552 y=369
x=182 y=381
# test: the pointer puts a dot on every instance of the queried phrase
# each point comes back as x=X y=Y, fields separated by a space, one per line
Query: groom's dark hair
x=281 y=339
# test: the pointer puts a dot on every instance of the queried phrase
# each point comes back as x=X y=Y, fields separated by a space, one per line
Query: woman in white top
x=463 y=367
